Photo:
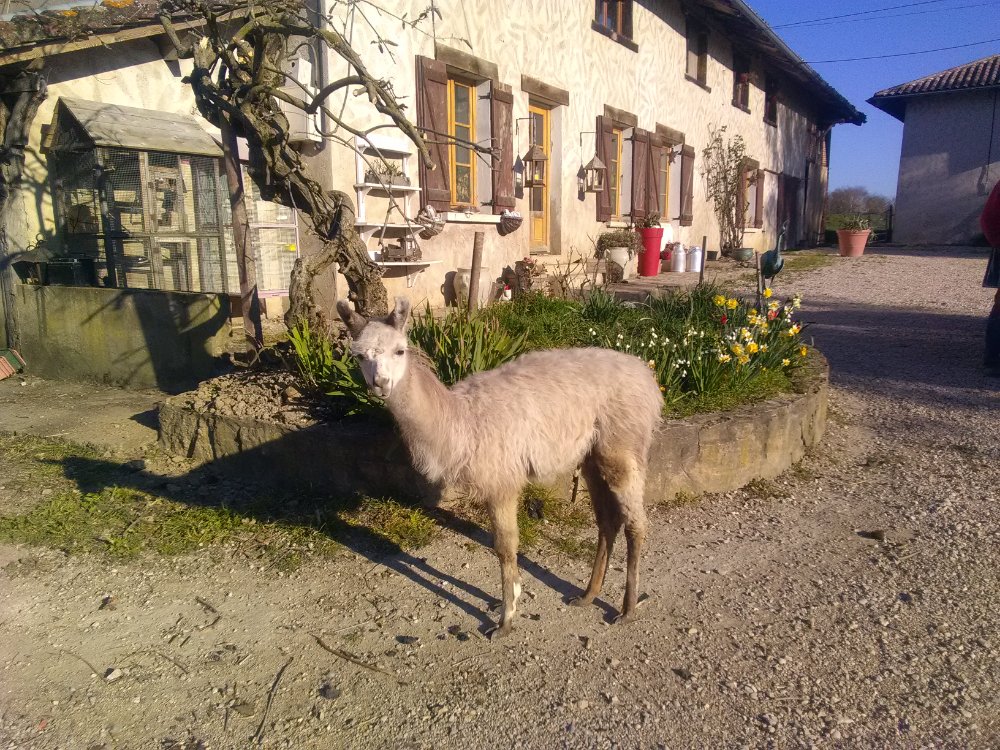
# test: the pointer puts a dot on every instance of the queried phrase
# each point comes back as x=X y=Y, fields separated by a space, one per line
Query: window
x=454 y=111
x=615 y=172
x=462 y=128
x=663 y=184
x=614 y=18
x=770 y=101
x=614 y=201
x=697 y=53
x=741 y=82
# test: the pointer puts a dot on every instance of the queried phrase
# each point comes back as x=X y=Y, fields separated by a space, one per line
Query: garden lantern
x=534 y=167
x=594 y=175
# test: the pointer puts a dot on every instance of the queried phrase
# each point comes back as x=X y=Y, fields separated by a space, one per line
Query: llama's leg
x=608 y=525
x=630 y=497
x=503 y=514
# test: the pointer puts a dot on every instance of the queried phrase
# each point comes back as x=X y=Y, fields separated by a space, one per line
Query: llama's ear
x=355 y=323
x=400 y=315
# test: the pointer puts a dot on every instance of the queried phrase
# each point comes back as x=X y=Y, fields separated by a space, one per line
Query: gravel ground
x=851 y=602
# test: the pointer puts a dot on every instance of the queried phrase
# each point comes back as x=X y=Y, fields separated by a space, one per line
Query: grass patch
x=801 y=261
x=575 y=547
x=405 y=526
x=765 y=489
x=679 y=500
x=122 y=523
x=767 y=385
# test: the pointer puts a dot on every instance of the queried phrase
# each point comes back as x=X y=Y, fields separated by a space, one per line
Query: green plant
x=386 y=168
x=332 y=370
x=725 y=166
x=649 y=221
x=857 y=223
x=461 y=343
x=617 y=238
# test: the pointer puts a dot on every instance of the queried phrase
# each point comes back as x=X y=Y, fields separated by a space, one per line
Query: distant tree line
x=855 y=200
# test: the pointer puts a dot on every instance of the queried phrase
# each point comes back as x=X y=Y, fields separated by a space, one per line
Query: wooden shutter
x=432 y=121
x=640 y=173
x=758 y=213
x=604 y=146
x=501 y=114
x=687 y=186
x=657 y=150
x=780 y=202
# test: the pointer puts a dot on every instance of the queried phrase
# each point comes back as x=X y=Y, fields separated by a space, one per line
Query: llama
x=543 y=414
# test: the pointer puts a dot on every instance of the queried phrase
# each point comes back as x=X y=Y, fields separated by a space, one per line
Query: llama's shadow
x=566 y=589
x=254 y=501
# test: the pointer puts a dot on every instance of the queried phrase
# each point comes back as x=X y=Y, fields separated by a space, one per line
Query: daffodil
x=732 y=304
x=803 y=351
x=763 y=347
x=768 y=293
x=736 y=349
x=752 y=347
x=719 y=300
x=724 y=358
x=743 y=360
x=785 y=362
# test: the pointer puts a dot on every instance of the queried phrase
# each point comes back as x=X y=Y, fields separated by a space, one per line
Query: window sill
x=699 y=84
x=461 y=217
x=752 y=230
x=617 y=224
x=741 y=107
x=772 y=123
x=614 y=36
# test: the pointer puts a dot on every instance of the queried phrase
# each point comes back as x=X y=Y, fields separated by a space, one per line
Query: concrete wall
x=552 y=41
x=949 y=162
x=705 y=453
x=127 y=337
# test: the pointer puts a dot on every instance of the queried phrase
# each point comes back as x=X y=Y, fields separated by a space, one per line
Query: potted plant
x=652 y=239
x=384 y=172
x=853 y=236
x=725 y=165
x=617 y=248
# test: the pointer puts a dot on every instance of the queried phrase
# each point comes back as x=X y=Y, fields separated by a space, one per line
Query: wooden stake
x=477 y=264
x=704 y=257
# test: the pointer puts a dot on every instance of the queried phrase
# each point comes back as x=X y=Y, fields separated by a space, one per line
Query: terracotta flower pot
x=851 y=242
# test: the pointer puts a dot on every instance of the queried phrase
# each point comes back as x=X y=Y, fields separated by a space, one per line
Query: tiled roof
x=37 y=26
x=978 y=74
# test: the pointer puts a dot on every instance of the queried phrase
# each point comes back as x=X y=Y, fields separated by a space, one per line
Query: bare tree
x=855 y=200
x=241 y=57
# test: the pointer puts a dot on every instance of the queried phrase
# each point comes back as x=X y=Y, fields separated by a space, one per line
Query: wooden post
x=704 y=259
x=477 y=265
x=245 y=262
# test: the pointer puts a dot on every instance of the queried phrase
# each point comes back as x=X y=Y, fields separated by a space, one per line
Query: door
x=539 y=199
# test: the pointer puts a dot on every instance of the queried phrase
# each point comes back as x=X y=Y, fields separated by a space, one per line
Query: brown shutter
x=758 y=214
x=432 y=121
x=744 y=186
x=640 y=173
x=687 y=186
x=501 y=114
x=604 y=135
x=657 y=148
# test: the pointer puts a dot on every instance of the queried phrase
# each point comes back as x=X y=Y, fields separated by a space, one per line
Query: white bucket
x=694 y=257
x=678 y=258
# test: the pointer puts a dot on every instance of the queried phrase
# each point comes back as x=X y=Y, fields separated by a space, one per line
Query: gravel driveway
x=852 y=602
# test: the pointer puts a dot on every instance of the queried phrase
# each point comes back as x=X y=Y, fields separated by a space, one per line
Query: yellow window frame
x=664 y=169
x=453 y=85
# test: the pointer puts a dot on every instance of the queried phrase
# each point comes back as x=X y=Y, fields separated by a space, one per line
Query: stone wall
x=128 y=337
x=705 y=453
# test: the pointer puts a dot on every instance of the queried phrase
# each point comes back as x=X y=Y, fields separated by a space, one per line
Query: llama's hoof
x=500 y=631
x=580 y=601
x=625 y=618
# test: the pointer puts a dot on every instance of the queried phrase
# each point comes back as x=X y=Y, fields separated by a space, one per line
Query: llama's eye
x=400 y=352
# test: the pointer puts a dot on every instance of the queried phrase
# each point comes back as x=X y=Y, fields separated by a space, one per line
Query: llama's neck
x=425 y=411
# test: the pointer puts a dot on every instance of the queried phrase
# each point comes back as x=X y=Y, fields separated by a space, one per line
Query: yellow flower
x=736 y=349
x=773 y=306
x=768 y=293
x=785 y=362
x=724 y=358
x=753 y=312
x=803 y=351
x=651 y=364
x=743 y=360
x=745 y=333
x=719 y=300
x=663 y=389
x=732 y=304
x=752 y=347
x=763 y=347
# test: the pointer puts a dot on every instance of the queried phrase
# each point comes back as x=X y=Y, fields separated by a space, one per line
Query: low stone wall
x=704 y=453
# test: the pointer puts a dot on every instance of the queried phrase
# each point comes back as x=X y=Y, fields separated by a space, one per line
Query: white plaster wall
x=552 y=41
x=131 y=74
x=949 y=162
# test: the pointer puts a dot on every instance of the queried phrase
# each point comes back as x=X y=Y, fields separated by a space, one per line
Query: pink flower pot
x=851 y=242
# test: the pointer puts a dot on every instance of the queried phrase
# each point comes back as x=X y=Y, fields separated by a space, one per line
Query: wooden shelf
x=387 y=189
x=420 y=265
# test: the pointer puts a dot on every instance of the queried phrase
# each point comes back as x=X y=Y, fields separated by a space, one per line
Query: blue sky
x=869 y=155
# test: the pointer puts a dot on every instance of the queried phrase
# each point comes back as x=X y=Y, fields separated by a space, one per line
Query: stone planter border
x=714 y=452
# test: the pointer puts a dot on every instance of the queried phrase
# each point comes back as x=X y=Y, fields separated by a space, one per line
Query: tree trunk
x=20 y=97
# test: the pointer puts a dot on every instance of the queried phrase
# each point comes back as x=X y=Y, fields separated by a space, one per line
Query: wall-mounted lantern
x=594 y=176
x=534 y=167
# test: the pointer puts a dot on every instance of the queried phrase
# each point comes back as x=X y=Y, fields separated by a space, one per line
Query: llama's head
x=380 y=345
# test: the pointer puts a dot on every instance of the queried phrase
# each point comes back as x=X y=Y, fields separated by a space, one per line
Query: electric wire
x=902 y=54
